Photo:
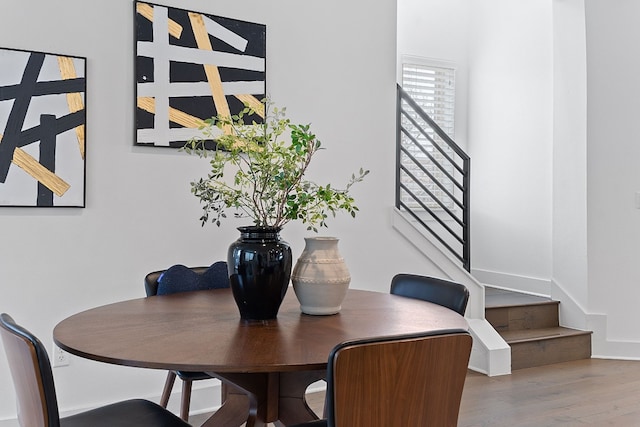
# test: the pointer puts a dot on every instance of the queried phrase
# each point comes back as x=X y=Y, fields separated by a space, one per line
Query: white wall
x=570 y=150
x=438 y=30
x=504 y=83
x=613 y=67
x=510 y=136
x=331 y=63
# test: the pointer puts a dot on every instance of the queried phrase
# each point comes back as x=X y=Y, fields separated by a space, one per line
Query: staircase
x=531 y=327
x=432 y=211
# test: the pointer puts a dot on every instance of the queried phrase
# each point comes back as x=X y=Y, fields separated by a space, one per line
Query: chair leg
x=168 y=386
x=186 y=400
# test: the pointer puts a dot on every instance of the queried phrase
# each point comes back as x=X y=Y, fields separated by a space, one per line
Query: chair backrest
x=32 y=377
x=442 y=292
x=400 y=381
x=215 y=276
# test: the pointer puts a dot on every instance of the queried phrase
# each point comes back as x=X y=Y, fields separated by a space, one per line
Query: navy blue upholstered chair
x=442 y=292
x=36 y=394
x=179 y=278
x=410 y=380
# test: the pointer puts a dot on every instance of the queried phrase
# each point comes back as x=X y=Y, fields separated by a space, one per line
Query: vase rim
x=250 y=228
x=321 y=238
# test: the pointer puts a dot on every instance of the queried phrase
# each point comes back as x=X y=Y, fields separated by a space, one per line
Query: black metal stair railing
x=432 y=178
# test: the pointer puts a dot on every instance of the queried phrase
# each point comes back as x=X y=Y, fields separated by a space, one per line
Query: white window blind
x=433 y=89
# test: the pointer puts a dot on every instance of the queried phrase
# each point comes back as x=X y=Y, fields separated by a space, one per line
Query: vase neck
x=321 y=243
x=329 y=239
x=255 y=232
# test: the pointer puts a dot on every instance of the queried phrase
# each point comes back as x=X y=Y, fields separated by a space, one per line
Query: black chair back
x=151 y=279
x=442 y=292
x=179 y=278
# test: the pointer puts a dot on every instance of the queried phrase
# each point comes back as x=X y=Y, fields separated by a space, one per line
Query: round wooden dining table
x=266 y=365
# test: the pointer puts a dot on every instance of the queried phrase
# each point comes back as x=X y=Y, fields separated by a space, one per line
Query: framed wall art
x=191 y=66
x=42 y=129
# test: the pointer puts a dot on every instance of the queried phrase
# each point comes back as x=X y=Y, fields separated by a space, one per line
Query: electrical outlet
x=60 y=357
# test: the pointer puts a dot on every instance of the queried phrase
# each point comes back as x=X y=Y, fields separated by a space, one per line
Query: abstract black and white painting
x=191 y=66
x=42 y=129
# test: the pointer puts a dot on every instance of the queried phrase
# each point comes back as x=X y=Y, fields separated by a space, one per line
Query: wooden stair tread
x=529 y=335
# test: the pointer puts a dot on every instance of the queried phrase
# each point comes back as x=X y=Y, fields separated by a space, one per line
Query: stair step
x=544 y=347
x=530 y=325
x=539 y=314
x=528 y=335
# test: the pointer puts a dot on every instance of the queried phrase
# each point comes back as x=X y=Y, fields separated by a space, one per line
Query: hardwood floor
x=586 y=392
x=583 y=392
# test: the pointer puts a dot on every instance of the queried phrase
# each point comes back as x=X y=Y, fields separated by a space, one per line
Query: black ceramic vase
x=259 y=266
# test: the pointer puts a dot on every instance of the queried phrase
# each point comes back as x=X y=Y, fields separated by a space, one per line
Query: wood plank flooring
x=590 y=392
x=583 y=392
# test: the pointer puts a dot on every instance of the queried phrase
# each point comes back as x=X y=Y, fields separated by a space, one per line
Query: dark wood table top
x=202 y=331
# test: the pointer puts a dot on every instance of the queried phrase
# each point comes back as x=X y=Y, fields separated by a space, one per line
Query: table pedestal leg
x=234 y=409
x=261 y=398
x=292 y=404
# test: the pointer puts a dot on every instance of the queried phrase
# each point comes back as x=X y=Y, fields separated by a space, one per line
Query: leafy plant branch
x=268 y=184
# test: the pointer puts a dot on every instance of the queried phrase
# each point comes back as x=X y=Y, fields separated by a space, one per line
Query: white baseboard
x=573 y=315
x=528 y=285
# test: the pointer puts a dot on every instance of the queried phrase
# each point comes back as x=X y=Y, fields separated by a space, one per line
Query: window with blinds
x=433 y=89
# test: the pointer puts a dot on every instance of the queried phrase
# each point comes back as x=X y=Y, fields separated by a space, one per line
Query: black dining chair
x=452 y=295
x=179 y=278
x=409 y=380
x=36 y=394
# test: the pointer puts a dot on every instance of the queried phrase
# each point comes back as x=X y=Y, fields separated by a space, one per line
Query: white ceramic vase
x=320 y=277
